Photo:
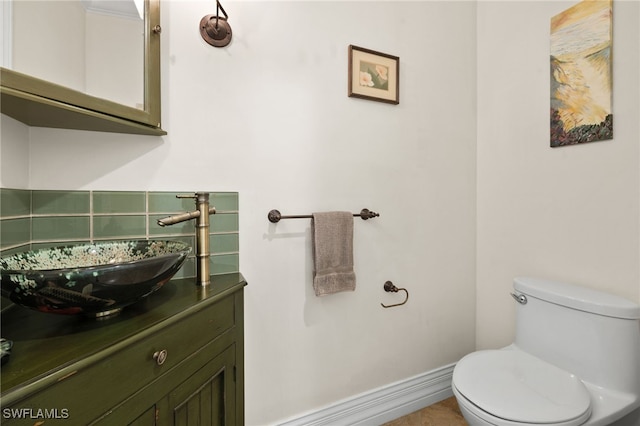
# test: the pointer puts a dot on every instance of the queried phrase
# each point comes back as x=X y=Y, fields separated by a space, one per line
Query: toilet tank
x=589 y=333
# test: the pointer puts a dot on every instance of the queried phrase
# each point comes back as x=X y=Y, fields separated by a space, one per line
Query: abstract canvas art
x=581 y=82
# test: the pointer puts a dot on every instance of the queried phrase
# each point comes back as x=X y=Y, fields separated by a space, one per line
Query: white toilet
x=575 y=361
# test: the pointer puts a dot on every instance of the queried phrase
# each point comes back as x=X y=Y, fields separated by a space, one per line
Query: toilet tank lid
x=578 y=297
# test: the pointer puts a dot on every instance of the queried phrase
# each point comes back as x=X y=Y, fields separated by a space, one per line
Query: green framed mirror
x=39 y=102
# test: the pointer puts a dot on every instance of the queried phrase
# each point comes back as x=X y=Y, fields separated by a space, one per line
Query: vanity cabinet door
x=198 y=389
x=148 y=418
x=208 y=396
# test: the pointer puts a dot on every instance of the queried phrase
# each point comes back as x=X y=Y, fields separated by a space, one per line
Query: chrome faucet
x=201 y=215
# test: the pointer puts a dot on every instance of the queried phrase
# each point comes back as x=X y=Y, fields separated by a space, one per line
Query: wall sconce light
x=215 y=29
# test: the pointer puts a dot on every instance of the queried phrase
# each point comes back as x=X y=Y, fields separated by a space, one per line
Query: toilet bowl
x=515 y=388
x=575 y=361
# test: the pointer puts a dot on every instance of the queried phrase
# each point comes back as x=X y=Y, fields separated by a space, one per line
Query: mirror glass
x=92 y=46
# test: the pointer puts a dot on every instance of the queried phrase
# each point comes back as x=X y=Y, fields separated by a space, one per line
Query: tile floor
x=444 y=413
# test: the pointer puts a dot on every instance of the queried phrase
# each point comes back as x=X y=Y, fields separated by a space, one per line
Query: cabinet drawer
x=85 y=394
x=206 y=380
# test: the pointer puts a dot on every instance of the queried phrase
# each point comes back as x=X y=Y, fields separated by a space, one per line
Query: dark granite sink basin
x=95 y=279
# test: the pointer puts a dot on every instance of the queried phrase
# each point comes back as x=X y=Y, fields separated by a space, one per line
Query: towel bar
x=274 y=216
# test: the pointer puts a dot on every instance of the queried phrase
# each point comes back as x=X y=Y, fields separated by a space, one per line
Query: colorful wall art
x=581 y=82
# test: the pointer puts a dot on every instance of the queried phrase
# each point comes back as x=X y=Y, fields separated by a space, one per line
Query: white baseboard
x=383 y=404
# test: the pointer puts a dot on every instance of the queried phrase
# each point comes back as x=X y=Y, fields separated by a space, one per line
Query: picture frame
x=373 y=75
x=581 y=74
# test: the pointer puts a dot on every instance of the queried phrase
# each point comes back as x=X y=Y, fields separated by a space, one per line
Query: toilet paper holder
x=389 y=287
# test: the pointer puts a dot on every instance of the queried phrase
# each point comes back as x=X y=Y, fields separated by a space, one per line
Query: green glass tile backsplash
x=224 y=264
x=42 y=218
x=60 y=228
x=60 y=202
x=119 y=202
x=224 y=222
x=105 y=227
x=166 y=202
x=224 y=201
x=224 y=243
x=15 y=232
x=15 y=202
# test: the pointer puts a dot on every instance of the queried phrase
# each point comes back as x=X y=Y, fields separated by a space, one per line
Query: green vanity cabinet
x=174 y=359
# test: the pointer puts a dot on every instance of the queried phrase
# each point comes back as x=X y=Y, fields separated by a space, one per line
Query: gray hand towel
x=332 y=234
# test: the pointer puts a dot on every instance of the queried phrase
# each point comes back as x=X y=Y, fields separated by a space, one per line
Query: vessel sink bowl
x=96 y=279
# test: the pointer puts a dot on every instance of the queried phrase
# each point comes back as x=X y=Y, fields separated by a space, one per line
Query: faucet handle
x=198 y=196
x=186 y=196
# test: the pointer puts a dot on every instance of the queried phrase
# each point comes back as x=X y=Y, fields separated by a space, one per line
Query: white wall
x=269 y=116
x=567 y=213
x=14 y=153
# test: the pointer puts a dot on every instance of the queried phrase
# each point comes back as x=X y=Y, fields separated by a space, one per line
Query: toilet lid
x=516 y=386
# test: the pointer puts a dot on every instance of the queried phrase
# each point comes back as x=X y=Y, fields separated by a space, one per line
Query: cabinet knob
x=160 y=356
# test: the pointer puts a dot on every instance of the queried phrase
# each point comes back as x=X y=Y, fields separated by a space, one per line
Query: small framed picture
x=373 y=75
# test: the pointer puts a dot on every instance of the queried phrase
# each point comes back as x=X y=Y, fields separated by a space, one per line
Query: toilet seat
x=517 y=387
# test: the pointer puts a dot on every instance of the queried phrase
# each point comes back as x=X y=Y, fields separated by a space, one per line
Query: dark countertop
x=48 y=346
